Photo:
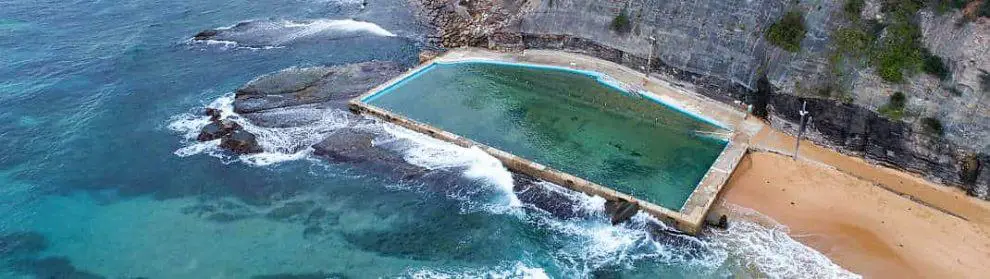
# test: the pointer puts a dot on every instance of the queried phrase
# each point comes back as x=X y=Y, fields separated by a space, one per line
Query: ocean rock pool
x=573 y=121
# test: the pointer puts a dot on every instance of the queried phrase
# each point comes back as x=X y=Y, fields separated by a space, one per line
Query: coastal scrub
x=894 y=109
x=621 y=22
x=788 y=32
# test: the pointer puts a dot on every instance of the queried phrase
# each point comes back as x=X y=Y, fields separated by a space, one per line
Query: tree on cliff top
x=788 y=32
x=621 y=22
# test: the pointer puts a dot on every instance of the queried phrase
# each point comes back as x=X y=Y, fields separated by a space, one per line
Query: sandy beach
x=872 y=220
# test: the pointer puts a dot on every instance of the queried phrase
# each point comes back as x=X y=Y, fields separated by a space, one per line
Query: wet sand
x=855 y=213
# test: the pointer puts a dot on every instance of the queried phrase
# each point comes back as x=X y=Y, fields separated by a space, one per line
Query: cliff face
x=718 y=48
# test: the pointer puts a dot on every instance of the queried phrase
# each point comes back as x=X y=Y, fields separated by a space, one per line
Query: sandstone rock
x=427 y=55
x=332 y=86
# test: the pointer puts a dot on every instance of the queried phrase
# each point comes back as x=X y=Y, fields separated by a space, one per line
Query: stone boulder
x=218 y=129
x=354 y=146
x=241 y=142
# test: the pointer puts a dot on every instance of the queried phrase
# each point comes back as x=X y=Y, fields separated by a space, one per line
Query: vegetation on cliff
x=894 y=109
x=621 y=22
x=894 y=46
x=931 y=126
x=788 y=32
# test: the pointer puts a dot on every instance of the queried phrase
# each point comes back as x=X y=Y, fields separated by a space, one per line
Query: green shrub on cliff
x=899 y=52
x=931 y=126
x=852 y=41
x=788 y=32
x=984 y=10
x=894 y=109
x=621 y=22
x=934 y=65
x=854 y=8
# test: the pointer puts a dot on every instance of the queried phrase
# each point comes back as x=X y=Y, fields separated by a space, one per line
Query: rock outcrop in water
x=293 y=97
x=718 y=49
x=277 y=33
x=301 y=96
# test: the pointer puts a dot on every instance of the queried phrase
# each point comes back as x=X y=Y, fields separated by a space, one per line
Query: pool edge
x=691 y=216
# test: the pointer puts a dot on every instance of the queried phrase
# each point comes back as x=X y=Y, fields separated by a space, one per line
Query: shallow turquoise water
x=565 y=120
x=99 y=177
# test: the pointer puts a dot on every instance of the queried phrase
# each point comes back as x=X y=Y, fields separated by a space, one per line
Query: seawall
x=690 y=218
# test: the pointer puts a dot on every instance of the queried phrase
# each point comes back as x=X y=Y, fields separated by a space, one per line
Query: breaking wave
x=272 y=34
x=759 y=244
x=517 y=270
x=431 y=153
x=279 y=144
x=582 y=246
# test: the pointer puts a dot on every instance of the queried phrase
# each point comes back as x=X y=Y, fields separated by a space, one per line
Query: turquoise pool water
x=565 y=119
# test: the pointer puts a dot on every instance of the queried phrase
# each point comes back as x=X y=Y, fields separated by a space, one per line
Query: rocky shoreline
x=295 y=97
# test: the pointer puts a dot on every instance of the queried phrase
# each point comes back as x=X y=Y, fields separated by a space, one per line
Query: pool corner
x=691 y=216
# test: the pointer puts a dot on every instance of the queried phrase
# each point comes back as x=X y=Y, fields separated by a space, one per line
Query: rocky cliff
x=720 y=48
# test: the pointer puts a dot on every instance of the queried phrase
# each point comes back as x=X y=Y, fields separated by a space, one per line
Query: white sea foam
x=273 y=35
x=590 y=243
x=431 y=153
x=331 y=26
x=279 y=144
x=760 y=245
x=517 y=270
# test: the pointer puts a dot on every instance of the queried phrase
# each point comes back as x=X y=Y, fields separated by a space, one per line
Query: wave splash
x=583 y=245
x=273 y=34
x=279 y=144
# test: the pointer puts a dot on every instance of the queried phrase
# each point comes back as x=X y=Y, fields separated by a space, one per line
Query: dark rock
x=760 y=98
x=213 y=113
x=355 y=146
x=558 y=201
x=53 y=267
x=970 y=169
x=620 y=210
x=22 y=243
x=722 y=222
x=290 y=210
x=241 y=142
x=859 y=131
x=218 y=129
x=205 y=34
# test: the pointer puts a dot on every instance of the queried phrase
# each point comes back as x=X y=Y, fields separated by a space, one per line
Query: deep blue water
x=92 y=183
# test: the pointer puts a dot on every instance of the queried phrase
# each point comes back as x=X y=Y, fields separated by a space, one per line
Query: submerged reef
x=22 y=243
x=53 y=267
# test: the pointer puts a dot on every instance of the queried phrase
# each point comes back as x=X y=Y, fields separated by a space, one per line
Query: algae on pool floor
x=566 y=120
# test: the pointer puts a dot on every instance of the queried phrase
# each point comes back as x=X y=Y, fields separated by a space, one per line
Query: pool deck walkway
x=690 y=218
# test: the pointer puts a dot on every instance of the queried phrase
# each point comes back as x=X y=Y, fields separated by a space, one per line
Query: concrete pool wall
x=691 y=216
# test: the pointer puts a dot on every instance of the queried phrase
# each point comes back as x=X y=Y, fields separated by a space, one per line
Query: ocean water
x=99 y=177
x=565 y=120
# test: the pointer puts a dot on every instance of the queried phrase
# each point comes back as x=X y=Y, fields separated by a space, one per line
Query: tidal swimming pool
x=566 y=119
